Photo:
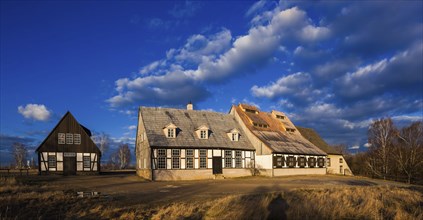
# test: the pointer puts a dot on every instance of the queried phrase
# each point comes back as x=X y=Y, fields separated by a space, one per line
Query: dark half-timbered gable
x=179 y=144
x=69 y=149
x=335 y=162
x=280 y=147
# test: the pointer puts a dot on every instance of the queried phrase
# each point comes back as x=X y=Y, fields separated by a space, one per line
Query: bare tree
x=102 y=140
x=20 y=153
x=408 y=152
x=381 y=135
x=124 y=155
x=341 y=148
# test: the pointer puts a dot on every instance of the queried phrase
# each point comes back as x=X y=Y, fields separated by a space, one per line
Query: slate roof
x=188 y=121
x=315 y=138
x=275 y=136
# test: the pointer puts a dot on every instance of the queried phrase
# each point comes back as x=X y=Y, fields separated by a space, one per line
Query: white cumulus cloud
x=35 y=111
x=183 y=74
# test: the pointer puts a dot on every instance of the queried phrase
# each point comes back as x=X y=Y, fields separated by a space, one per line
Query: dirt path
x=132 y=190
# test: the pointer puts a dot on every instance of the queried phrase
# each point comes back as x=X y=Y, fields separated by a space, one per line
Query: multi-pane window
x=203 y=134
x=176 y=158
x=52 y=161
x=321 y=162
x=203 y=159
x=301 y=162
x=87 y=161
x=340 y=160
x=161 y=159
x=170 y=133
x=228 y=158
x=328 y=162
x=61 y=138
x=69 y=138
x=311 y=162
x=278 y=161
x=189 y=159
x=235 y=136
x=238 y=159
x=291 y=161
x=77 y=138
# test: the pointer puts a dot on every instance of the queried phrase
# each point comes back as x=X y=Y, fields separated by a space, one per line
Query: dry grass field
x=280 y=198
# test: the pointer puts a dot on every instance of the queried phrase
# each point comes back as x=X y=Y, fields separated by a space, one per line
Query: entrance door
x=217 y=165
x=69 y=165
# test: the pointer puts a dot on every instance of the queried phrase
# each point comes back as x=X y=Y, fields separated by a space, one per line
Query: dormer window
x=202 y=132
x=290 y=130
x=233 y=134
x=170 y=130
x=170 y=133
x=280 y=117
x=260 y=125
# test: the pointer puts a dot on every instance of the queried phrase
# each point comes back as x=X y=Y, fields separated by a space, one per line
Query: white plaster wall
x=236 y=172
x=298 y=171
x=166 y=175
x=334 y=167
x=264 y=161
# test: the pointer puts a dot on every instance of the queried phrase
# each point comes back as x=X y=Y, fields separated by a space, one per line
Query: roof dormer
x=249 y=108
x=170 y=130
x=233 y=134
x=202 y=132
x=278 y=115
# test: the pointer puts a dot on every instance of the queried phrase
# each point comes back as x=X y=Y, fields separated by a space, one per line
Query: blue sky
x=332 y=66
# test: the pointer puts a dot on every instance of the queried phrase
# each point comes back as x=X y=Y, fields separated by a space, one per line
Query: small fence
x=17 y=172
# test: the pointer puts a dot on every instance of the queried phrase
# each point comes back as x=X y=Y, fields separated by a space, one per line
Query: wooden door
x=69 y=165
x=217 y=165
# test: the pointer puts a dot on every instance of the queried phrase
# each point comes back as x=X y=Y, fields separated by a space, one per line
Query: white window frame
x=238 y=159
x=203 y=134
x=86 y=161
x=52 y=160
x=176 y=159
x=161 y=159
x=202 y=159
x=69 y=138
x=171 y=133
x=228 y=159
x=77 y=139
x=189 y=159
x=235 y=136
x=61 y=138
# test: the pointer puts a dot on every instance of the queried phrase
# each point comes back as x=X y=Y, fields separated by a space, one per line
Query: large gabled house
x=186 y=144
x=280 y=148
x=335 y=162
x=68 y=150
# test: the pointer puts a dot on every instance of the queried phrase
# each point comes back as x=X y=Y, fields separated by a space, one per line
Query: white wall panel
x=217 y=153
x=59 y=166
x=79 y=166
x=59 y=156
x=79 y=157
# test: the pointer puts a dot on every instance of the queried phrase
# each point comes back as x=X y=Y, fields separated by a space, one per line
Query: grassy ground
x=32 y=200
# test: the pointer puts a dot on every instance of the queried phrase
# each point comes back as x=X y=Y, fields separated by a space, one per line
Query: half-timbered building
x=280 y=148
x=179 y=144
x=335 y=161
x=68 y=150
